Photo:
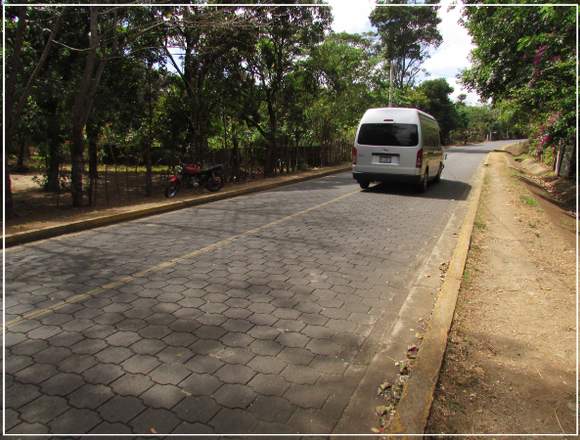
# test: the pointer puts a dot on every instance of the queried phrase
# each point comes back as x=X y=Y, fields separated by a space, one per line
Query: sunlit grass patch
x=530 y=201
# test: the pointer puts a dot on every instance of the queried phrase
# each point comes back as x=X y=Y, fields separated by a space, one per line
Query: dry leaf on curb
x=384 y=386
x=412 y=351
x=381 y=410
x=403 y=367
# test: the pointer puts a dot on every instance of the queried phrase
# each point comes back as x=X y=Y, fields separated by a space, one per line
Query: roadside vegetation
x=525 y=63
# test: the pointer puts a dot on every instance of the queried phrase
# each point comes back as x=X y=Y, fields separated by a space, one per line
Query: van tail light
x=419 y=161
x=354 y=155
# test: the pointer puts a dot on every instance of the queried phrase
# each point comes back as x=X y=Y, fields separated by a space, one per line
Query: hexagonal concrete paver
x=232 y=329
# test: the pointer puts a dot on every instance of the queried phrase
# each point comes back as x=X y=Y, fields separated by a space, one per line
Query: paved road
x=254 y=314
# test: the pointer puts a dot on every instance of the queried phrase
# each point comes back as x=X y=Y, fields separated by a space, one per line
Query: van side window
x=432 y=138
x=429 y=134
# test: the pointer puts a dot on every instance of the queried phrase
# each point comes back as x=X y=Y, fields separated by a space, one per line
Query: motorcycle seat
x=191 y=168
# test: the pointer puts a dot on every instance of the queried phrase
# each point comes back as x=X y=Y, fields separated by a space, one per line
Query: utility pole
x=391 y=75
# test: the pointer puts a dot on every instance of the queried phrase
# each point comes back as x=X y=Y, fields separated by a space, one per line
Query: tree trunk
x=54 y=140
x=93 y=137
x=235 y=155
x=148 y=170
x=77 y=165
x=14 y=104
x=21 y=156
x=391 y=79
x=82 y=108
x=147 y=152
x=272 y=146
x=52 y=172
x=269 y=160
x=8 y=203
x=13 y=68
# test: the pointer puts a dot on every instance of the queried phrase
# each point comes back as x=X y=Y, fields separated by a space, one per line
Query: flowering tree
x=527 y=56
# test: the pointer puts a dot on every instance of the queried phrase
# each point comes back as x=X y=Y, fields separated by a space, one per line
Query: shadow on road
x=546 y=404
x=445 y=190
x=325 y=183
x=475 y=150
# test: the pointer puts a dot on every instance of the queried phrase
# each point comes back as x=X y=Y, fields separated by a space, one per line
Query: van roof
x=398 y=114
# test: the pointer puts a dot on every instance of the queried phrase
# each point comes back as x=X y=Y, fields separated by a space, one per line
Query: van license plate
x=390 y=159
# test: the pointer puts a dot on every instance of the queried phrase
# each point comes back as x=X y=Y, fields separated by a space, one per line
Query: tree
x=406 y=35
x=174 y=81
x=527 y=56
x=205 y=38
x=284 y=37
x=19 y=80
x=112 y=33
x=474 y=123
x=438 y=104
x=349 y=79
x=128 y=92
x=83 y=102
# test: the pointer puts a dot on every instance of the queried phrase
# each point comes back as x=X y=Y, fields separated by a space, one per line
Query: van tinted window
x=397 y=135
x=430 y=137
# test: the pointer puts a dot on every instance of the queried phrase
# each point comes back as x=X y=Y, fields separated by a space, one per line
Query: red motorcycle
x=194 y=176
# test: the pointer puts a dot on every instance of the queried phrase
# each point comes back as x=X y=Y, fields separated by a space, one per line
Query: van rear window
x=397 y=135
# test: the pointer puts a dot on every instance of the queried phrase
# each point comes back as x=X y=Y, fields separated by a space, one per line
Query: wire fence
x=125 y=182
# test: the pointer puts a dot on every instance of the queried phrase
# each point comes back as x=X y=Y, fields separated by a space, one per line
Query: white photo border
x=459 y=4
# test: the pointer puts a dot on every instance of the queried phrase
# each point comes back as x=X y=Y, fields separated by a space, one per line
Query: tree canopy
x=406 y=35
x=266 y=89
x=525 y=58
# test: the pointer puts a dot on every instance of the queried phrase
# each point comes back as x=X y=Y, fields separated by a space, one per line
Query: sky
x=446 y=61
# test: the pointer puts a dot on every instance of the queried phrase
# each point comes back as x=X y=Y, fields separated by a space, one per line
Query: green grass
x=530 y=201
x=466 y=275
x=522 y=157
x=480 y=225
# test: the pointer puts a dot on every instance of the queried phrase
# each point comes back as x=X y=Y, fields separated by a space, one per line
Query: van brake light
x=354 y=155
x=419 y=161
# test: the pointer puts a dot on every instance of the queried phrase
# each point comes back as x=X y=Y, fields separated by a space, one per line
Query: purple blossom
x=539 y=54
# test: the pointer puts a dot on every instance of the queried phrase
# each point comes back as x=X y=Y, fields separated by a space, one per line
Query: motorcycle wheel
x=215 y=183
x=171 y=191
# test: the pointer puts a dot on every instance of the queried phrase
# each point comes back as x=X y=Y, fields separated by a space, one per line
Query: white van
x=397 y=144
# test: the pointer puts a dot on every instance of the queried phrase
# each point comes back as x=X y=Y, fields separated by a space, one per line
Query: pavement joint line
x=165 y=264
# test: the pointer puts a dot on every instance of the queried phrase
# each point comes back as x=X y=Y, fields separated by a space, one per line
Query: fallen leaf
x=412 y=351
x=381 y=410
x=384 y=386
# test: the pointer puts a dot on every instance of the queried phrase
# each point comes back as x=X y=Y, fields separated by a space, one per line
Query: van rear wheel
x=424 y=183
x=364 y=184
x=438 y=176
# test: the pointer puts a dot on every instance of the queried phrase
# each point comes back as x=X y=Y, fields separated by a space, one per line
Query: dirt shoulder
x=511 y=357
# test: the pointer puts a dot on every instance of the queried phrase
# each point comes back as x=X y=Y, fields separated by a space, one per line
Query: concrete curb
x=81 y=225
x=515 y=148
x=414 y=407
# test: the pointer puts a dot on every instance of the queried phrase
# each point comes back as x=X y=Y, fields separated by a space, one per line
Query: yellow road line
x=164 y=265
